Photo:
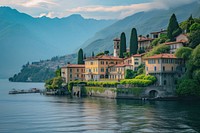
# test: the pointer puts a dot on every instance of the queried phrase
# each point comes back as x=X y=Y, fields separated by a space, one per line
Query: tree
x=106 y=52
x=196 y=56
x=133 y=42
x=80 y=57
x=194 y=27
x=173 y=28
x=92 y=54
x=190 y=22
x=122 y=45
x=101 y=53
x=58 y=72
x=162 y=48
x=129 y=74
x=183 y=52
x=84 y=56
x=194 y=39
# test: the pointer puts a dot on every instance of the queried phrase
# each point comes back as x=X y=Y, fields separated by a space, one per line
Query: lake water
x=35 y=113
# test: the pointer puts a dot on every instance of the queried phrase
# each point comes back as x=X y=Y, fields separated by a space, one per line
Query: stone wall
x=150 y=92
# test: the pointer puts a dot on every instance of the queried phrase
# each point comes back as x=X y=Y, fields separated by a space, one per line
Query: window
x=102 y=69
x=136 y=63
x=70 y=70
x=77 y=75
x=136 y=59
x=154 y=68
x=147 y=68
x=70 y=75
x=165 y=82
x=77 y=70
x=163 y=68
x=172 y=68
x=106 y=63
x=91 y=63
x=102 y=62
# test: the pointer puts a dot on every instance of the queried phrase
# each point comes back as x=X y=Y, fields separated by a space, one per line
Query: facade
x=174 y=46
x=157 y=34
x=73 y=72
x=167 y=68
x=117 y=72
x=116 y=47
x=137 y=60
x=97 y=68
x=144 y=43
x=182 y=38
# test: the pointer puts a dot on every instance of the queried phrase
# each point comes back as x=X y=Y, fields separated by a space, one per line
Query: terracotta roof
x=137 y=55
x=103 y=57
x=74 y=66
x=142 y=39
x=159 y=56
x=170 y=43
x=116 y=39
x=121 y=65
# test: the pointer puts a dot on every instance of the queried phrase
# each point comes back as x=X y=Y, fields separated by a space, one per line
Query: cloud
x=123 y=11
x=38 y=3
x=98 y=9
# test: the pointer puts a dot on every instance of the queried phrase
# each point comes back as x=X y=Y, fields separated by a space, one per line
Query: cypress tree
x=80 y=56
x=133 y=42
x=84 y=56
x=92 y=54
x=173 y=28
x=122 y=45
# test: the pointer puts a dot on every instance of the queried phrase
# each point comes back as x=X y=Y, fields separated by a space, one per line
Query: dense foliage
x=129 y=74
x=189 y=84
x=54 y=83
x=122 y=45
x=162 y=48
x=31 y=73
x=133 y=42
x=140 y=80
x=80 y=56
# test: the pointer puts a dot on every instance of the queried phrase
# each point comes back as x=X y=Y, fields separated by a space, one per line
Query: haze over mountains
x=144 y=22
x=24 y=38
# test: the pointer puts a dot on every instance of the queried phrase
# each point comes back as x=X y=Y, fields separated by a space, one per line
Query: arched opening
x=153 y=94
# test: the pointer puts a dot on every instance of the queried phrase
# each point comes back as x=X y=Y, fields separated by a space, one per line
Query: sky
x=97 y=9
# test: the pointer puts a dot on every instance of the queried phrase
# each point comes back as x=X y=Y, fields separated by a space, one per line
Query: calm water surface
x=35 y=113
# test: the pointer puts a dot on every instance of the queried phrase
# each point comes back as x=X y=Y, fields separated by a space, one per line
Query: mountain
x=144 y=22
x=24 y=38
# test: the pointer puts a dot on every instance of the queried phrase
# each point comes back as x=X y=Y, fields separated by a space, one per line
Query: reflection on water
x=35 y=113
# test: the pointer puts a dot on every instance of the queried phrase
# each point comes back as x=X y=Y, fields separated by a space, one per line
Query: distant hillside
x=144 y=22
x=24 y=38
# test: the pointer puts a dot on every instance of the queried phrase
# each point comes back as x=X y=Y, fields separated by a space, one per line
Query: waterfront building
x=97 y=68
x=73 y=72
x=117 y=72
x=137 y=60
x=167 y=68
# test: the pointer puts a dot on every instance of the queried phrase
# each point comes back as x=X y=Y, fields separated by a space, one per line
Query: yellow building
x=117 y=72
x=166 y=67
x=137 y=60
x=73 y=72
x=96 y=68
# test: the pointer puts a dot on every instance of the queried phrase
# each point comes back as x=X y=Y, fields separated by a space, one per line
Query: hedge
x=137 y=82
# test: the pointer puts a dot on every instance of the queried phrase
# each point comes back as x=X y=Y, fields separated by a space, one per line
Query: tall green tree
x=80 y=56
x=133 y=42
x=92 y=54
x=173 y=28
x=190 y=21
x=122 y=45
